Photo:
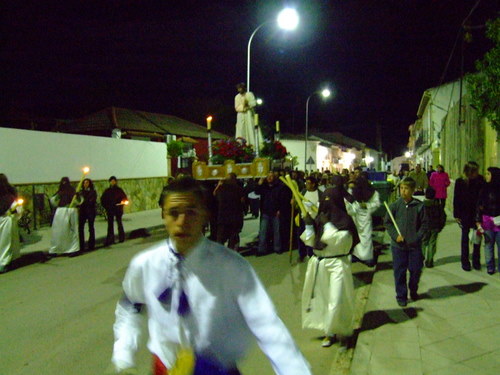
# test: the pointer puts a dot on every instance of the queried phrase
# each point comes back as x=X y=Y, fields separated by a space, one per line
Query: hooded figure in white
x=366 y=202
x=328 y=295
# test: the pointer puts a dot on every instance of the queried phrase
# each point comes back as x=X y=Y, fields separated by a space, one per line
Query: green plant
x=175 y=148
x=484 y=86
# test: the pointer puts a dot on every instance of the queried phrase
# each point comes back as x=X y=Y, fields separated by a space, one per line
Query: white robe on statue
x=362 y=217
x=244 y=105
x=65 y=231
x=328 y=294
x=10 y=247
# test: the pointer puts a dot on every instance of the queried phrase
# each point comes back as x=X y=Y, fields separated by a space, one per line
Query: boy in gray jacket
x=406 y=244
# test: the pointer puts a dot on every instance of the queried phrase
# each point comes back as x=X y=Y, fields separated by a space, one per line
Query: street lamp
x=325 y=93
x=288 y=19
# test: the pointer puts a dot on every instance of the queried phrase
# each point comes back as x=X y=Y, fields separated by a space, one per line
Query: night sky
x=65 y=59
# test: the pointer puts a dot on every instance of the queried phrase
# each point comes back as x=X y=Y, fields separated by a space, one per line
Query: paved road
x=56 y=317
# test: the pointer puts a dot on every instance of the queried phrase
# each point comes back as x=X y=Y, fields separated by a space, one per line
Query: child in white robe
x=328 y=294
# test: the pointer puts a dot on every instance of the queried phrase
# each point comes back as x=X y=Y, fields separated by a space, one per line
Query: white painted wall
x=296 y=148
x=38 y=157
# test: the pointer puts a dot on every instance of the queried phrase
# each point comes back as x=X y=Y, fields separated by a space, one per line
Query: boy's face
x=184 y=219
x=406 y=192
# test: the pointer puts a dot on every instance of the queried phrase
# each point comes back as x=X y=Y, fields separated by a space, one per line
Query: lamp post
x=288 y=19
x=325 y=94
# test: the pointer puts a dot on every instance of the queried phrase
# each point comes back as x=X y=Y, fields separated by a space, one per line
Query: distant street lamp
x=325 y=94
x=288 y=19
x=259 y=101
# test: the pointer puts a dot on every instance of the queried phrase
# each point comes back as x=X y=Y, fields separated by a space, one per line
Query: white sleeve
x=127 y=327
x=271 y=334
x=373 y=203
x=308 y=236
x=250 y=99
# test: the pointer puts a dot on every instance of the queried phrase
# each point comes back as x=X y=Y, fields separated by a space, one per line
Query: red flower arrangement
x=232 y=149
x=274 y=150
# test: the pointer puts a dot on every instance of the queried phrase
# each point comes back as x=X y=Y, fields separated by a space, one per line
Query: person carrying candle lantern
x=205 y=303
x=10 y=212
x=113 y=199
x=87 y=213
x=244 y=104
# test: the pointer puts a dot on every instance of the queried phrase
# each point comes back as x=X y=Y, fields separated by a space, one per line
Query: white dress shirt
x=227 y=302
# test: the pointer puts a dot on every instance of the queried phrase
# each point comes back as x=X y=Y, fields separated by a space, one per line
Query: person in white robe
x=10 y=247
x=328 y=294
x=64 y=236
x=204 y=301
x=244 y=104
x=366 y=202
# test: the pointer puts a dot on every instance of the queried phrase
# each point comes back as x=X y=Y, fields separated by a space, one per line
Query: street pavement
x=453 y=329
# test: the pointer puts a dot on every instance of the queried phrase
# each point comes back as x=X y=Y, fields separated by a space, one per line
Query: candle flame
x=86 y=170
x=125 y=202
x=209 y=118
x=20 y=201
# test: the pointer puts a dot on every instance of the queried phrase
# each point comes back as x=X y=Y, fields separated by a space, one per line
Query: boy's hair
x=430 y=193
x=409 y=182
x=185 y=185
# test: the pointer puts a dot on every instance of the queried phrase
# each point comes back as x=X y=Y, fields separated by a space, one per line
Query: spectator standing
x=406 y=247
x=113 y=199
x=420 y=178
x=440 y=181
x=488 y=217
x=431 y=171
x=465 y=198
x=270 y=191
x=87 y=214
x=436 y=217
x=230 y=199
x=203 y=300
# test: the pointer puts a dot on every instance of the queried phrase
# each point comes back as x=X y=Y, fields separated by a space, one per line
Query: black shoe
x=491 y=272
x=414 y=296
x=402 y=303
x=466 y=267
x=476 y=266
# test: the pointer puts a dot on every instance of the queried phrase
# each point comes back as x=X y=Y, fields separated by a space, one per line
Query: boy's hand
x=400 y=239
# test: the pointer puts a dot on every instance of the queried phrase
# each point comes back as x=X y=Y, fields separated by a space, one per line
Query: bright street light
x=288 y=19
x=259 y=101
x=325 y=93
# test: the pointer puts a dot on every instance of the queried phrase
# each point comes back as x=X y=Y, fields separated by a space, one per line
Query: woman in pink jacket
x=440 y=181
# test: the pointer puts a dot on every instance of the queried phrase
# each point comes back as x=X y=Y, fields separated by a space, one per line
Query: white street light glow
x=326 y=93
x=288 y=19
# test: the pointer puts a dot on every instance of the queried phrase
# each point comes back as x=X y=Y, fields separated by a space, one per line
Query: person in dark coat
x=270 y=190
x=436 y=217
x=465 y=198
x=488 y=217
x=406 y=234
x=230 y=198
x=87 y=213
x=113 y=200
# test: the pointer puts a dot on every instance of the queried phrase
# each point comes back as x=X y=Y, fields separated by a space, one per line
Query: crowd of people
x=326 y=216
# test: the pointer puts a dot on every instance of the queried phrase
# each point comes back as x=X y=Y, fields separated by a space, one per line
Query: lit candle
x=256 y=119
x=209 y=123
x=277 y=126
